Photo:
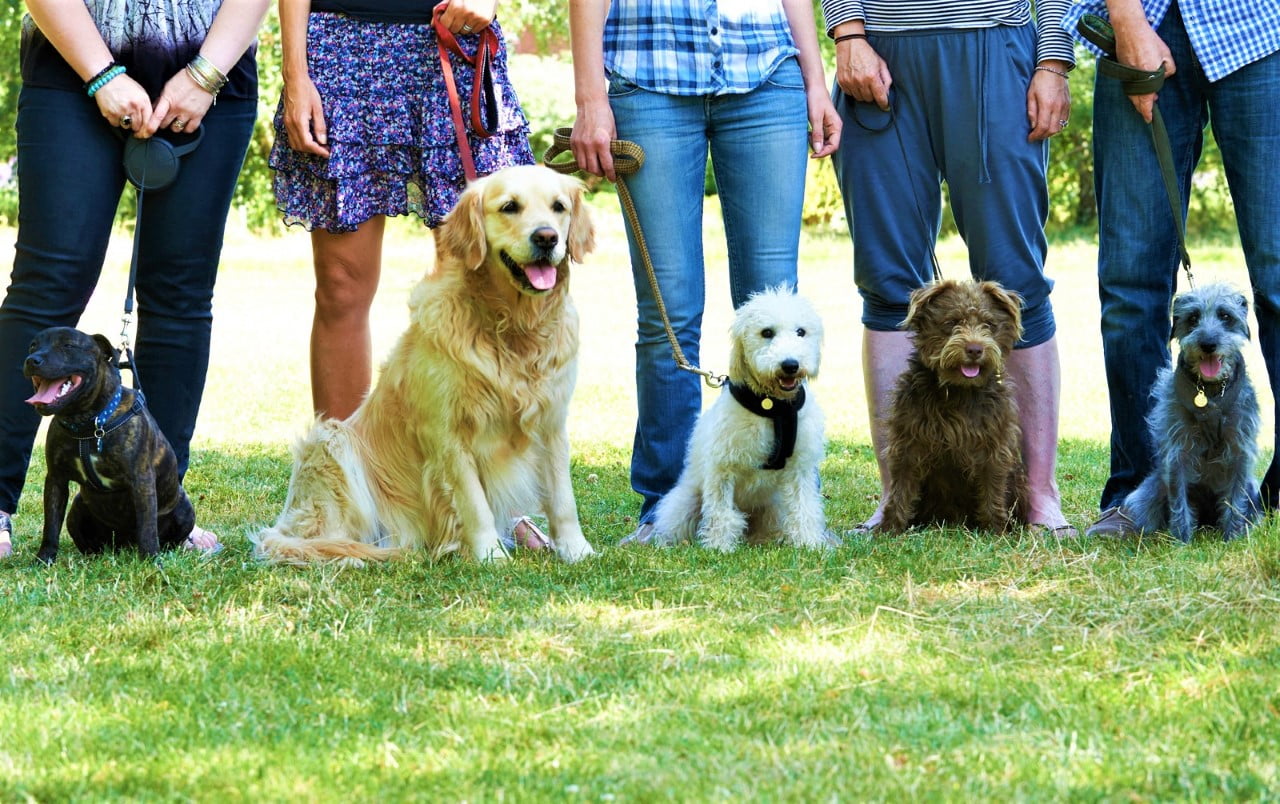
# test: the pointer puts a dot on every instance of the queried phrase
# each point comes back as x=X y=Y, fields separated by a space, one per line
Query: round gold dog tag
x=766 y=403
x=1201 y=400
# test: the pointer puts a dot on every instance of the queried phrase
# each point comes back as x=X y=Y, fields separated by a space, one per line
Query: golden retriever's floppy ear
x=582 y=232
x=460 y=236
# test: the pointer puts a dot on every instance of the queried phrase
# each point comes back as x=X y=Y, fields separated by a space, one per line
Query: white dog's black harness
x=783 y=412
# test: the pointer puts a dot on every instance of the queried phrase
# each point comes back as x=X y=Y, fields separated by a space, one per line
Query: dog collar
x=102 y=421
x=783 y=412
x=1202 y=399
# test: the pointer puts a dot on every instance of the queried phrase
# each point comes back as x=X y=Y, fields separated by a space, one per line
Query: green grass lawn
x=942 y=665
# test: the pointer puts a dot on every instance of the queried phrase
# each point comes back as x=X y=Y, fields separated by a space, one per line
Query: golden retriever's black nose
x=545 y=237
x=790 y=366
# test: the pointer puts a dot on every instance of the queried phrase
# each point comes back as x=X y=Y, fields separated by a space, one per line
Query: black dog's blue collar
x=103 y=423
x=783 y=412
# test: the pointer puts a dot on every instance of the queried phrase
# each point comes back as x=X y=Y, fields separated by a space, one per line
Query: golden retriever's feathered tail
x=330 y=513
x=277 y=548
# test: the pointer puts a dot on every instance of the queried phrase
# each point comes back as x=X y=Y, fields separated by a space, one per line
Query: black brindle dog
x=103 y=438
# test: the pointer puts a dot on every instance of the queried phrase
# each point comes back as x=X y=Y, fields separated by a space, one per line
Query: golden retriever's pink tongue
x=48 y=390
x=542 y=275
x=1211 y=367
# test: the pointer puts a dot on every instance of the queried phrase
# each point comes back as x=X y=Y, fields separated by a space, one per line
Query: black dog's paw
x=45 y=558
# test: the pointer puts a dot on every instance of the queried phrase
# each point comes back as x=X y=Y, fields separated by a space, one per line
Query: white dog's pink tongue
x=1211 y=367
x=542 y=275
x=970 y=371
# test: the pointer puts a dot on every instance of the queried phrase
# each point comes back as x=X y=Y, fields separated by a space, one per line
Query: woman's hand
x=1048 y=100
x=123 y=100
x=181 y=107
x=468 y=16
x=304 y=117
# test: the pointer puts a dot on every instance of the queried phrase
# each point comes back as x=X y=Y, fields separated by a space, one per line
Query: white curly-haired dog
x=751 y=470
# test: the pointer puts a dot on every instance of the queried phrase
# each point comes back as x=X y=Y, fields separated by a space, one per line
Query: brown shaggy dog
x=954 y=452
x=466 y=424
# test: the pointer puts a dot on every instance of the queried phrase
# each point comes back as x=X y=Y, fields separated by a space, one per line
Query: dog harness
x=102 y=424
x=783 y=412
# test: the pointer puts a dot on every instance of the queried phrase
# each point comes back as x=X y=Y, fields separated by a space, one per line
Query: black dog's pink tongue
x=1211 y=367
x=46 y=390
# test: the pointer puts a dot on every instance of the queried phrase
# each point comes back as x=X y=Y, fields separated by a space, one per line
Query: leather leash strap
x=1142 y=82
x=481 y=100
x=628 y=158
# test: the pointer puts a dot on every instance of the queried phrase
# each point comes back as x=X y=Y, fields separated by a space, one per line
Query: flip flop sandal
x=524 y=532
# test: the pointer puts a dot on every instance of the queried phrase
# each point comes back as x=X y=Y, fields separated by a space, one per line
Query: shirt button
x=714 y=31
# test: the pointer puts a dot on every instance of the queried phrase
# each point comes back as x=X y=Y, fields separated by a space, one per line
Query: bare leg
x=884 y=358
x=1037 y=381
x=347 y=267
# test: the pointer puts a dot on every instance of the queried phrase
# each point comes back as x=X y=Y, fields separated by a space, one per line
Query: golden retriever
x=466 y=424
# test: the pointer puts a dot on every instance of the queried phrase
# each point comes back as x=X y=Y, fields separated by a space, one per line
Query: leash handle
x=628 y=159
x=481 y=101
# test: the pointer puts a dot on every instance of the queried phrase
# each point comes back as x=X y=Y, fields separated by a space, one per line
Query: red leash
x=482 y=61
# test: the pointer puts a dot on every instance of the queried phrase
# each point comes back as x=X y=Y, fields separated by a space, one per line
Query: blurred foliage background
x=539 y=32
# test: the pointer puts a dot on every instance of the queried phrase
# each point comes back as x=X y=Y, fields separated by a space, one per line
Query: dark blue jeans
x=69 y=184
x=1137 y=242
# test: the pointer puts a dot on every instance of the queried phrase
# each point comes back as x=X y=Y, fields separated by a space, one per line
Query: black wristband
x=100 y=74
x=847 y=37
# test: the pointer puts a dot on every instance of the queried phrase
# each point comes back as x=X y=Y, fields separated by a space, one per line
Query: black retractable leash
x=1134 y=81
x=149 y=164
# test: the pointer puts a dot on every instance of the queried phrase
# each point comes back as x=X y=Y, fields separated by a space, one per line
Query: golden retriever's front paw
x=575 y=552
x=489 y=549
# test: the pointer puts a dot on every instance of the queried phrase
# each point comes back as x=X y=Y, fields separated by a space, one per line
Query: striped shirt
x=1225 y=34
x=887 y=16
x=696 y=47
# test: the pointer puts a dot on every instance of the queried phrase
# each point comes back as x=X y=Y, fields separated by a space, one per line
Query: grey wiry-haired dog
x=1204 y=423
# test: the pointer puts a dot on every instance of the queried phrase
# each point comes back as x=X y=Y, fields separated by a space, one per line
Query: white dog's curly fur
x=466 y=424
x=725 y=494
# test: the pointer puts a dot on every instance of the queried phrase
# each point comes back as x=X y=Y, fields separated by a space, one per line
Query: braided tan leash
x=628 y=158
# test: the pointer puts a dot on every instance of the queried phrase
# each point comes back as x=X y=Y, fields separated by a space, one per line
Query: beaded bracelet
x=103 y=78
x=111 y=66
x=1054 y=71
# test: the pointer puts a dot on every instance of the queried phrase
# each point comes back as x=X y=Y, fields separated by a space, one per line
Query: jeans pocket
x=787 y=75
x=621 y=87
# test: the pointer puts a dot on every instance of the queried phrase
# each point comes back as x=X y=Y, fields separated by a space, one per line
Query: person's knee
x=345 y=286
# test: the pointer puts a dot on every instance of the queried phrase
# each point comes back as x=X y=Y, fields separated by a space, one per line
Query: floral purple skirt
x=392 y=147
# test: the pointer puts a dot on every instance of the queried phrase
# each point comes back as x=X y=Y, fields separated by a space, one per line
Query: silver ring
x=178 y=125
x=466 y=28
x=1062 y=124
x=126 y=122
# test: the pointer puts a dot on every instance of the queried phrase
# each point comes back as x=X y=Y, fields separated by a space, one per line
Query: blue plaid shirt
x=696 y=47
x=1225 y=34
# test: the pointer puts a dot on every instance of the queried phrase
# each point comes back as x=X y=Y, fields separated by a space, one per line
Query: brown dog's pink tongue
x=1211 y=367
x=47 y=392
x=970 y=371
x=542 y=275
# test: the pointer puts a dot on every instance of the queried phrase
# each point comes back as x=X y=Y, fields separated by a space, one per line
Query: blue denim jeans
x=1137 y=242
x=759 y=144
x=70 y=181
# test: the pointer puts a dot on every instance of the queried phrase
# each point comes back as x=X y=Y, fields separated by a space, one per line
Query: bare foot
x=205 y=541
